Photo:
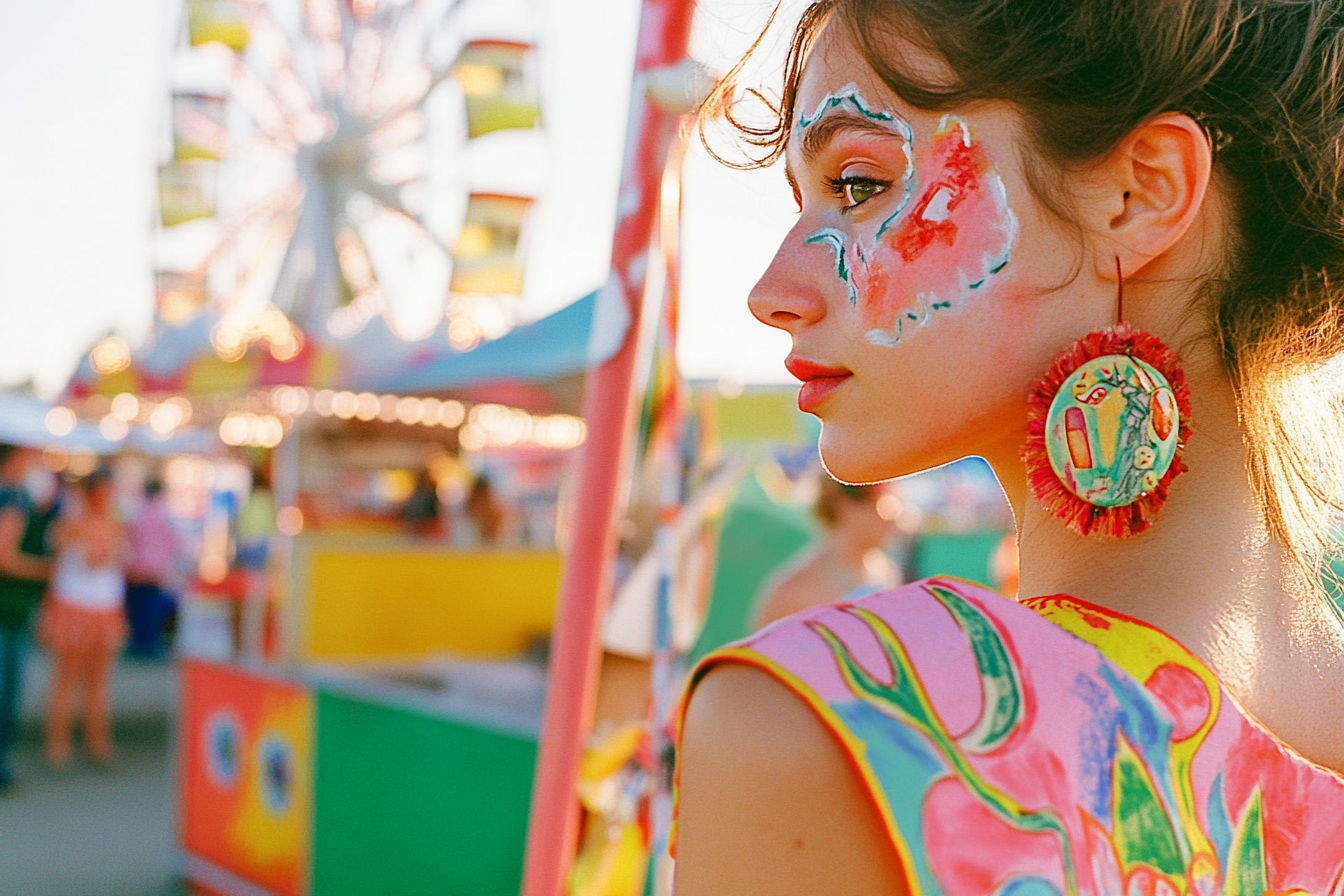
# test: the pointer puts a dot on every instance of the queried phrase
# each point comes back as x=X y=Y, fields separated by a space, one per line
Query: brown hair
x=1265 y=78
x=831 y=492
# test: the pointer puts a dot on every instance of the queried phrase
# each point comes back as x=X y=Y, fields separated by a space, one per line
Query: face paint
x=849 y=96
x=836 y=240
x=938 y=247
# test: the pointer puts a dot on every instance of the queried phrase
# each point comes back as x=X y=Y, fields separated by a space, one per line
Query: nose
x=787 y=295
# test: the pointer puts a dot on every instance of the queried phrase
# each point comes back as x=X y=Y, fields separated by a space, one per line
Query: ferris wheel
x=315 y=179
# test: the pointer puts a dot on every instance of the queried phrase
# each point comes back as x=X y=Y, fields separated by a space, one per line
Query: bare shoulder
x=805 y=586
x=769 y=802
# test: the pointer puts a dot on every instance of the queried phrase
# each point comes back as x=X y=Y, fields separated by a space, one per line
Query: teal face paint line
x=916 y=316
x=833 y=238
x=849 y=96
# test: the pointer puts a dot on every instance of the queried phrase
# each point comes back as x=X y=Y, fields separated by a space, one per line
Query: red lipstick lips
x=819 y=382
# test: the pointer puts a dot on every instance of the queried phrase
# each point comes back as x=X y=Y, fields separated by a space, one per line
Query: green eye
x=861 y=192
x=855 y=191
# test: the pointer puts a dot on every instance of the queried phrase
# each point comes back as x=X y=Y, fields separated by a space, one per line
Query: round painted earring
x=1105 y=430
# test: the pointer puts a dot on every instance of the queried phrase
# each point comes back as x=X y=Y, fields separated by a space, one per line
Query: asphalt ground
x=89 y=830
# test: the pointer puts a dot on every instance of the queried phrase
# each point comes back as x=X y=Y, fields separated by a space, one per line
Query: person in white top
x=82 y=622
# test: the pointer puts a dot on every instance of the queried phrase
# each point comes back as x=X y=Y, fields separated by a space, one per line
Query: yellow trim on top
x=853 y=747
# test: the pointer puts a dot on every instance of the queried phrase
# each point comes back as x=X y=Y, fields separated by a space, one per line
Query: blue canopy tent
x=547 y=349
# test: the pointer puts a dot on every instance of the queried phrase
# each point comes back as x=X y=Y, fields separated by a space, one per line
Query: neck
x=1208 y=572
x=1207 y=564
x=848 y=551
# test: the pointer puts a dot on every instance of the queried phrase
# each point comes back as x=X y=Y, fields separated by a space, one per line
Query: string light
x=125 y=406
x=60 y=421
x=264 y=418
x=452 y=413
x=167 y=417
x=483 y=426
x=409 y=410
x=366 y=406
x=260 y=430
x=344 y=405
x=387 y=408
x=232 y=335
x=113 y=428
x=323 y=402
x=111 y=355
x=289 y=520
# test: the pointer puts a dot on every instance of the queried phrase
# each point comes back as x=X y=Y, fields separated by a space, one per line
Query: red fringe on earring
x=1077 y=514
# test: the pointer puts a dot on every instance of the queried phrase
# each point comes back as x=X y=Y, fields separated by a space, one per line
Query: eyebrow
x=819 y=135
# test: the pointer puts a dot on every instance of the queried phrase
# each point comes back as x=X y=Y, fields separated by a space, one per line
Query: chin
x=857 y=458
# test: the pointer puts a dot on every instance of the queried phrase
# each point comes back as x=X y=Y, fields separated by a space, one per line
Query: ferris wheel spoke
x=391 y=32
x=266 y=111
x=290 y=90
x=437 y=73
x=360 y=71
x=322 y=19
x=323 y=23
x=284 y=202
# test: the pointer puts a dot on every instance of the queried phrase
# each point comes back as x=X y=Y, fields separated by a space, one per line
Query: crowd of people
x=82 y=583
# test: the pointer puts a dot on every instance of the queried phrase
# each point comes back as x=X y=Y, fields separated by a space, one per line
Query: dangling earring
x=1106 y=428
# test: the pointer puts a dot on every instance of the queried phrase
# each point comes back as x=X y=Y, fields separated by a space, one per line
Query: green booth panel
x=411 y=803
x=758 y=537
x=966 y=555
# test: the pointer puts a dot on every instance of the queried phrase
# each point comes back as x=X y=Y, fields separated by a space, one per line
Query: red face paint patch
x=937 y=251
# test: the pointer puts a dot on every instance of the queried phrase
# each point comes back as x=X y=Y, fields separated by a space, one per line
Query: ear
x=1156 y=179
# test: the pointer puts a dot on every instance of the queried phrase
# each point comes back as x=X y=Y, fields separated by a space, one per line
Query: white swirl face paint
x=948 y=234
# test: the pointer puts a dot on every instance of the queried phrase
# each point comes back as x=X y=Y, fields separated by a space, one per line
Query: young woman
x=82 y=621
x=987 y=189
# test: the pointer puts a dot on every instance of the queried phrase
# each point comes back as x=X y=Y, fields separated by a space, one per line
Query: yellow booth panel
x=402 y=601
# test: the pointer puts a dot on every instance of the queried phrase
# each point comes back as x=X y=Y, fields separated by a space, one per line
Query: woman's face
x=924 y=286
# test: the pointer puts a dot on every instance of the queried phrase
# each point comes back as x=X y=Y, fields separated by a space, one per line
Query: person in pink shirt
x=153 y=550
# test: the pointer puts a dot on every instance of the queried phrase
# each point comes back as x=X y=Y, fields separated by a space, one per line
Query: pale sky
x=83 y=91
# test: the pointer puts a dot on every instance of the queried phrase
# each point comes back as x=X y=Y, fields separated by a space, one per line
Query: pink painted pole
x=664 y=31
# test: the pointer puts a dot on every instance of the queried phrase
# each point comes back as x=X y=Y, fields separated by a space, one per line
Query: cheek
x=945 y=247
x=939 y=399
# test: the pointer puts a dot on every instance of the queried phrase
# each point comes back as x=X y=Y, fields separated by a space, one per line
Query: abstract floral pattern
x=1053 y=748
x=1112 y=430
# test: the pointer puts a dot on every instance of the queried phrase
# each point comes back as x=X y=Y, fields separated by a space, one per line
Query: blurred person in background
x=153 y=551
x=23 y=577
x=256 y=523
x=848 y=558
x=484 y=522
x=421 y=509
x=82 y=622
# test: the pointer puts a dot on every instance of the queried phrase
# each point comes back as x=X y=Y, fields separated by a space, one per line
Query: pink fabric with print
x=1053 y=747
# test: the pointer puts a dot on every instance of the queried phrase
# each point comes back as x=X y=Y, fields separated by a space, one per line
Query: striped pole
x=664 y=31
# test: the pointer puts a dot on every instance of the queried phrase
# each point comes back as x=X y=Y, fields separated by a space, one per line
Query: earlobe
x=1162 y=171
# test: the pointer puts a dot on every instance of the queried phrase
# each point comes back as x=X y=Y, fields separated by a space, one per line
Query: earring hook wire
x=1119 y=292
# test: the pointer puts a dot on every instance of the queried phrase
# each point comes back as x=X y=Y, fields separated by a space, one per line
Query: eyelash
x=840 y=185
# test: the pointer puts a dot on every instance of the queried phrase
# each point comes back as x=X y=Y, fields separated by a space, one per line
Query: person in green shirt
x=23 y=576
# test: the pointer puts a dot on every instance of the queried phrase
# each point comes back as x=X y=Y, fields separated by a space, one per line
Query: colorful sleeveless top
x=1053 y=747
